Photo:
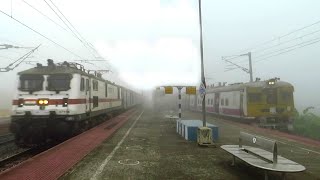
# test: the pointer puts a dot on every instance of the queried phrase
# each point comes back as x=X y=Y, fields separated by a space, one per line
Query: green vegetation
x=307 y=124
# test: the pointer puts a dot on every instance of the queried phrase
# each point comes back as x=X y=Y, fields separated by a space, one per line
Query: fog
x=147 y=43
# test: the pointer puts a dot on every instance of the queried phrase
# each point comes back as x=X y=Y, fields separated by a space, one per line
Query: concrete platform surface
x=150 y=148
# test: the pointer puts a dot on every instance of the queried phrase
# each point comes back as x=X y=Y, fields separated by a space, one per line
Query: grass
x=308 y=125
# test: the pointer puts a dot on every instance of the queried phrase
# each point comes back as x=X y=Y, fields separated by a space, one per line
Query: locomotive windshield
x=271 y=96
x=30 y=82
x=59 y=82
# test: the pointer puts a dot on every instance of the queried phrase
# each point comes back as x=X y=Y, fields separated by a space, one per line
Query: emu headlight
x=271 y=82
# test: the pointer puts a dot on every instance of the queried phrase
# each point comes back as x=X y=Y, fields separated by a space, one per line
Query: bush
x=307 y=125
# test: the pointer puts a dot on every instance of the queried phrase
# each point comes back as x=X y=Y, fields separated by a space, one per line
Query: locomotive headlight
x=43 y=102
x=40 y=102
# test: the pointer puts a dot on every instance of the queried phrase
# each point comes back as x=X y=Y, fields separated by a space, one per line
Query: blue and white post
x=179 y=100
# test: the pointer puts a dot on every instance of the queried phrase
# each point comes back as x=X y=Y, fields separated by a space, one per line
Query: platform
x=148 y=147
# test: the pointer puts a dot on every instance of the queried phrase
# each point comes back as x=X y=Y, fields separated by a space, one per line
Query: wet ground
x=153 y=150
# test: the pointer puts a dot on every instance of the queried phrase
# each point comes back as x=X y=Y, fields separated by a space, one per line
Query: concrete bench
x=263 y=156
x=188 y=129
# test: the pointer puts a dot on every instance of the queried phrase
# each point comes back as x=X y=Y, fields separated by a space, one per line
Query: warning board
x=191 y=90
x=168 y=89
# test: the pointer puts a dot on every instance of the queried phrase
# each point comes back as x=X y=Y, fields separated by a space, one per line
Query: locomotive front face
x=272 y=101
x=42 y=95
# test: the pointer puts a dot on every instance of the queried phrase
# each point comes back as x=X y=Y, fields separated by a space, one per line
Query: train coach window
x=106 y=92
x=82 y=84
x=254 y=97
x=95 y=85
x=222 y=102
x=211 y=101
x=227 y=102
x=87 y=84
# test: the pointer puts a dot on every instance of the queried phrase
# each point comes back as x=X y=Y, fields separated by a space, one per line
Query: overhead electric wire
x=74 y=34
x=44 y=15
x=74 y=31
x=40 y=34
x=288 y=50
x=282 y=36
x=279 y=50
x=288 y=41
x=25 y=55
x=234 y=56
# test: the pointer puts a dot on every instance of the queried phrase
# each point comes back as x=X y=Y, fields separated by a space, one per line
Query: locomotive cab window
x=286 y=96
x=254 y=97
x=271 y=96
x=30 y=82
x=59 y=82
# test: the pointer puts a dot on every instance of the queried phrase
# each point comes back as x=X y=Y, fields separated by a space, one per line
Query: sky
x=147 y=43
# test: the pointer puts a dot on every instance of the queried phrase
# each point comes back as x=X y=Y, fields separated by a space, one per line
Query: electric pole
x=203 y=80
x=249 y=71
x=250 y=66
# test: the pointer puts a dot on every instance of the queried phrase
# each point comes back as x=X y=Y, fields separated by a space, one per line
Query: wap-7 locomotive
x=60 y=100
x=266 y=103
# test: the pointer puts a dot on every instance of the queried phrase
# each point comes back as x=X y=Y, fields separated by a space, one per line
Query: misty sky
x=155 y=42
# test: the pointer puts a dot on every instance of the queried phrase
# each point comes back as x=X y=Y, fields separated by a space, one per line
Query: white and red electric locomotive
x=59 y=100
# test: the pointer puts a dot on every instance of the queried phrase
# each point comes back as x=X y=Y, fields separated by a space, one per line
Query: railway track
x=7 y=138
x=15 y=159
x=272 y=131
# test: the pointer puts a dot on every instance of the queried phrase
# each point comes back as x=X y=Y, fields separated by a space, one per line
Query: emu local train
x=267 y=103
x=59 y=100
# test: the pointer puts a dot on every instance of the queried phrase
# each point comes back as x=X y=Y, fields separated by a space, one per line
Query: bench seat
x=264 y=160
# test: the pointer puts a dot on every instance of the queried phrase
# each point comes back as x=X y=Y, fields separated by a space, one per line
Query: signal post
x=191 y=90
